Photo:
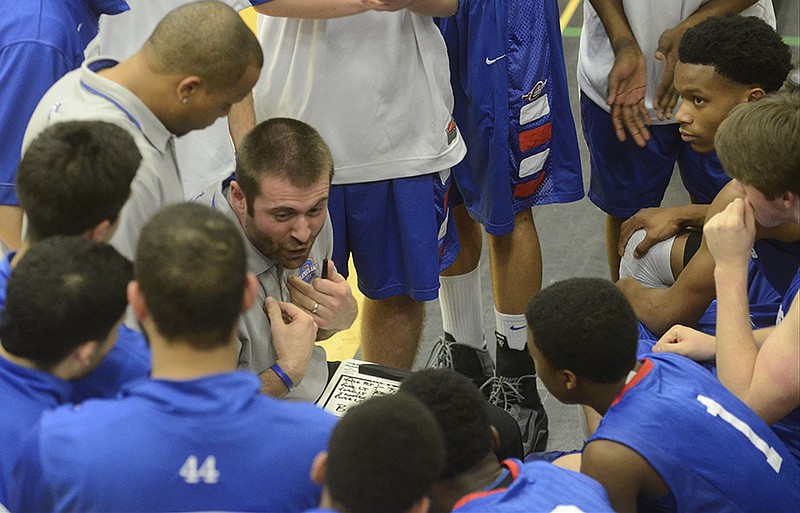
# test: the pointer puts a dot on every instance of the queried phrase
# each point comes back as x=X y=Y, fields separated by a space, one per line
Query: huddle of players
x=187 y=241
x=670 y=436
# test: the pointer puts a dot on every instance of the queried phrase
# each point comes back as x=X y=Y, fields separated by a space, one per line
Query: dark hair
x=205 y=39
x=384 y=455
x=75 y=175
x=191 y=266
x=458 y=408
x=585 y=325
x=759 y=143
x=65 y=292
x=282 y=147
x=743 y=49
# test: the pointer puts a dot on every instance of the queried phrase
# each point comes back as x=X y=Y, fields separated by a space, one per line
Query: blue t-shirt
x=24 y=395
x=40 y=41
x=214 y=443
x=537 y=487
x=712 y=451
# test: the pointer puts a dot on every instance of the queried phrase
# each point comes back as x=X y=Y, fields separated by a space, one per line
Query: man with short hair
x=758 y=145
x=213 y=441
x=671 y=433
x=200 y=60
x=279 y=200
x=65 y=301
x=473 y=479
x=394 y=471
x=74 y=180
x=39 y=43
x=376 y=86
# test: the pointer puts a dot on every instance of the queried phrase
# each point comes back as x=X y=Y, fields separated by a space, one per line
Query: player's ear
x=238 y=200
x=755 y=93
x=250 y=291
x=421 y=506
x=319 y=468
x=569 y=379
x=137 y=301
x=495 y=437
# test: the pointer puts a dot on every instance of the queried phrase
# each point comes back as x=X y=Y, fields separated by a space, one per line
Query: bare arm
x=627 y=80
x=666 y=96
x=321 y=9
x=660 y=223
x=312 y=9
x=766 y=379
x=623 y=472
x=241 y=119
x=774 y=389
x=686 y=300
x=293 y=335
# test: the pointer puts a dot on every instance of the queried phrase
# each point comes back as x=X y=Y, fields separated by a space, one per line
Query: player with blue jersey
x=394 y=471
x=672 y=438
x=74 y=180
x=39 y=42
x=758 y=145
x=65 y=301
x=212 y=441
x=512 y=107
x=473 y=479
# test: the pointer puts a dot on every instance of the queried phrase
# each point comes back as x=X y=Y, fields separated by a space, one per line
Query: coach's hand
x=293 y=335
x=329 y=301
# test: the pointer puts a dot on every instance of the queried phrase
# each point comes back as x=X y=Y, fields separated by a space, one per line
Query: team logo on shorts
x=308 y=271
x=536 y=91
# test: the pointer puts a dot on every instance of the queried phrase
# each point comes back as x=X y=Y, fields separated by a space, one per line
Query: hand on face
x=730 y=234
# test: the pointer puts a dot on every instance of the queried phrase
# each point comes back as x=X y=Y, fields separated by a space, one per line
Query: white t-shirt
x=375 y=85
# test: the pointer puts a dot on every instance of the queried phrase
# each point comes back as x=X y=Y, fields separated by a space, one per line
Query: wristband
x=282 y=374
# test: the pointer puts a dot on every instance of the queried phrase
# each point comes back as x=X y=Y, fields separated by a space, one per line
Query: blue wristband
x=282 y=374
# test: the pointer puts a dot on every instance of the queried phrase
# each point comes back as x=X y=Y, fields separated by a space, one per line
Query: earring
x=185 y=100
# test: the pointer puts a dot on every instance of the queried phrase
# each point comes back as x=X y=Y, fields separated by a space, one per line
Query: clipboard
x=355 y=381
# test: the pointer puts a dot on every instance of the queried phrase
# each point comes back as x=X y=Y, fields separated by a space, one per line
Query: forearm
x=736 y=347
x=715 y=8
x=692 y=215
x=272 y=384
x=660 y=309
x=439 y=8
x=241 y=119
x=312 y=9
x=612 y=15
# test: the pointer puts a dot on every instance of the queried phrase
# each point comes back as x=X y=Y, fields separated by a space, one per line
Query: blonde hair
x=759 y=143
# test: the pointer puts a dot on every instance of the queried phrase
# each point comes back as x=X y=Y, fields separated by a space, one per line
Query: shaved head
x=206 y=39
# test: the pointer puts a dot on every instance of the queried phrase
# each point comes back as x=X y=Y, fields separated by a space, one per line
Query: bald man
x=200 y=60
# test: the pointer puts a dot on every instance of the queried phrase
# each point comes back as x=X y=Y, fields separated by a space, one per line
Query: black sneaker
x=513 y=388
x=476 y=364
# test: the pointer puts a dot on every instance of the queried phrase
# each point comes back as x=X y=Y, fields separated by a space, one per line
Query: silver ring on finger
x=316 y=307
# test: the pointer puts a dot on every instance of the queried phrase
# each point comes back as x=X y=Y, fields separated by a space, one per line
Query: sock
x=462 y=308
x=513 y=328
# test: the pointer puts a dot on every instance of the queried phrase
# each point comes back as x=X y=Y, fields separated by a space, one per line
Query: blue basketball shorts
x=626 y=178
x=512 y=108
x=399 y=232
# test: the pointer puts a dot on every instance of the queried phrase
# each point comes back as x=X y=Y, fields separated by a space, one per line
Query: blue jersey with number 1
x=712 y=451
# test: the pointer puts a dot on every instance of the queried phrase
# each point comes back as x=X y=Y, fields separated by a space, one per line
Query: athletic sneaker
x=476 y=364
x=513 y=388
